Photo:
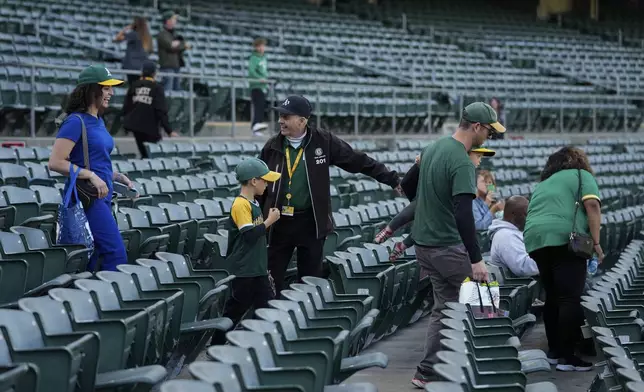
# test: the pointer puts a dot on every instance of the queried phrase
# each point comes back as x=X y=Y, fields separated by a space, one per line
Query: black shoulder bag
x=87 y=192
x=580 y=244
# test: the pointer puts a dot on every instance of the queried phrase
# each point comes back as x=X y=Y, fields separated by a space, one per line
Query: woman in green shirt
x=546 y=235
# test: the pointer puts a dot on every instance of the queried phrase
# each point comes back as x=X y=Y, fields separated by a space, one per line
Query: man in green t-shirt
x=258 y=73
x=247 y=257
x=443 y=229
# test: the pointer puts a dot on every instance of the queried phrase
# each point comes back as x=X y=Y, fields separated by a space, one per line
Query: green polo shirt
x=445 y=171
x=301 y=197
x=552 y=207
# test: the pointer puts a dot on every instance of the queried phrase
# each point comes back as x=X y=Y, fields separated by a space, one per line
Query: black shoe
x=574 y=364
x=587 y=348
x=552 y=358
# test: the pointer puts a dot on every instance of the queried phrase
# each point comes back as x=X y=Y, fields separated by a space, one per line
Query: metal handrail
x=557 y=98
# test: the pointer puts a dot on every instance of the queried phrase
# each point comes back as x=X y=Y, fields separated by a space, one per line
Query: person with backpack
x=145 y=109
x=83 y=146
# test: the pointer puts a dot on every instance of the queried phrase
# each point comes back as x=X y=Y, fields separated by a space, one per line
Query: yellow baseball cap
x=485 y=151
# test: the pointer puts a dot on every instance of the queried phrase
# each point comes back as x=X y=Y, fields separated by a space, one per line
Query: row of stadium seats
x=612 y=318
x=479 y=354
x=353 y=63
x=163 y=305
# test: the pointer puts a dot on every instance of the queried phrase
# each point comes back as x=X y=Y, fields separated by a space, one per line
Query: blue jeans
x=108 y=243
x=170 y=82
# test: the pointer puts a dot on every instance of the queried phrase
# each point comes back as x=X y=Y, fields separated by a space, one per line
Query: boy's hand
x=273 y=216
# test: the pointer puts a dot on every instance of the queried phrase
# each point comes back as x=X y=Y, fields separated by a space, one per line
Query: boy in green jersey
x=247 y=257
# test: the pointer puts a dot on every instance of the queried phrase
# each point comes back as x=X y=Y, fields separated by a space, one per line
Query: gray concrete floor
x=405 y=349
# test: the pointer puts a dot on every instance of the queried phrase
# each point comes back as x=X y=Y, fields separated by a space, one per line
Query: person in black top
x=303 y=154
x=145 y=109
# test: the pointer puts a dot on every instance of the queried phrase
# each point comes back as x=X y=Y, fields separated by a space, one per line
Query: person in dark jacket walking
x=303 y=154
x=171 y=48
x=145 y=109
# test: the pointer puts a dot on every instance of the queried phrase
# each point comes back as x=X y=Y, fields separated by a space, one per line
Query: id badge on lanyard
x=288 y=209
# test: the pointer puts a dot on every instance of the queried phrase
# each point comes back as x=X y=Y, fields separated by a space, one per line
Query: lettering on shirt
x=142 y=95
x=259 y=220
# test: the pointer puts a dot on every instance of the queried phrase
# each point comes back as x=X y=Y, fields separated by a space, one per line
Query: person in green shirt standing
x=247 y=257
x=443 y=230
x=258 y=70
x=550 y=220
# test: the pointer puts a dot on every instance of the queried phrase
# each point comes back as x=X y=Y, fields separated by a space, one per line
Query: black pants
x=563 y=276
x=141 y=138
x=247 y=293
x=258 y=106
x=290 y=233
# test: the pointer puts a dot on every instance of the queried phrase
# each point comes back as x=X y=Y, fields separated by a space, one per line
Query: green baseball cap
x=97 y=74
x=481 y=112
x=255 y=168
x=168 y=15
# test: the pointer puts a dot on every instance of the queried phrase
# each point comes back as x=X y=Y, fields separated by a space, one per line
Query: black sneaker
x=587 y=348
x=574 y=364
x=552 y=358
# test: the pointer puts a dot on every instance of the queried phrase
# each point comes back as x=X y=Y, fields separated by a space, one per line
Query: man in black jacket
x=145 y=109
x=303 y=155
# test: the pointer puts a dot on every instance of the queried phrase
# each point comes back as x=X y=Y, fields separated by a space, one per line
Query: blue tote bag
x=73 y=227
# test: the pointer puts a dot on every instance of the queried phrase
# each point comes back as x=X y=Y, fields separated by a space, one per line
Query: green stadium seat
x=73 y=258
x=193 y=385
x=55 y=320
x=21 y=377
x=59 y=360
x=250 y=377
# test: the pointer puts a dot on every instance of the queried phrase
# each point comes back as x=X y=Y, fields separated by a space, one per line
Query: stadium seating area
x=550 y=78
x=612 y=316
x=159 y=311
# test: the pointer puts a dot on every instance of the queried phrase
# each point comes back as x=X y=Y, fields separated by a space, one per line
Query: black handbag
x=581 y=245
x=87 y=192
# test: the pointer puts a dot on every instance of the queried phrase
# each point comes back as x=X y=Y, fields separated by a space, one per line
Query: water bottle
x=592 y=266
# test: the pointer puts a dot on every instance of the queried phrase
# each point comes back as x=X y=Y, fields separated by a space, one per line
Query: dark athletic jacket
x=321 y=150
x=145 y=109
